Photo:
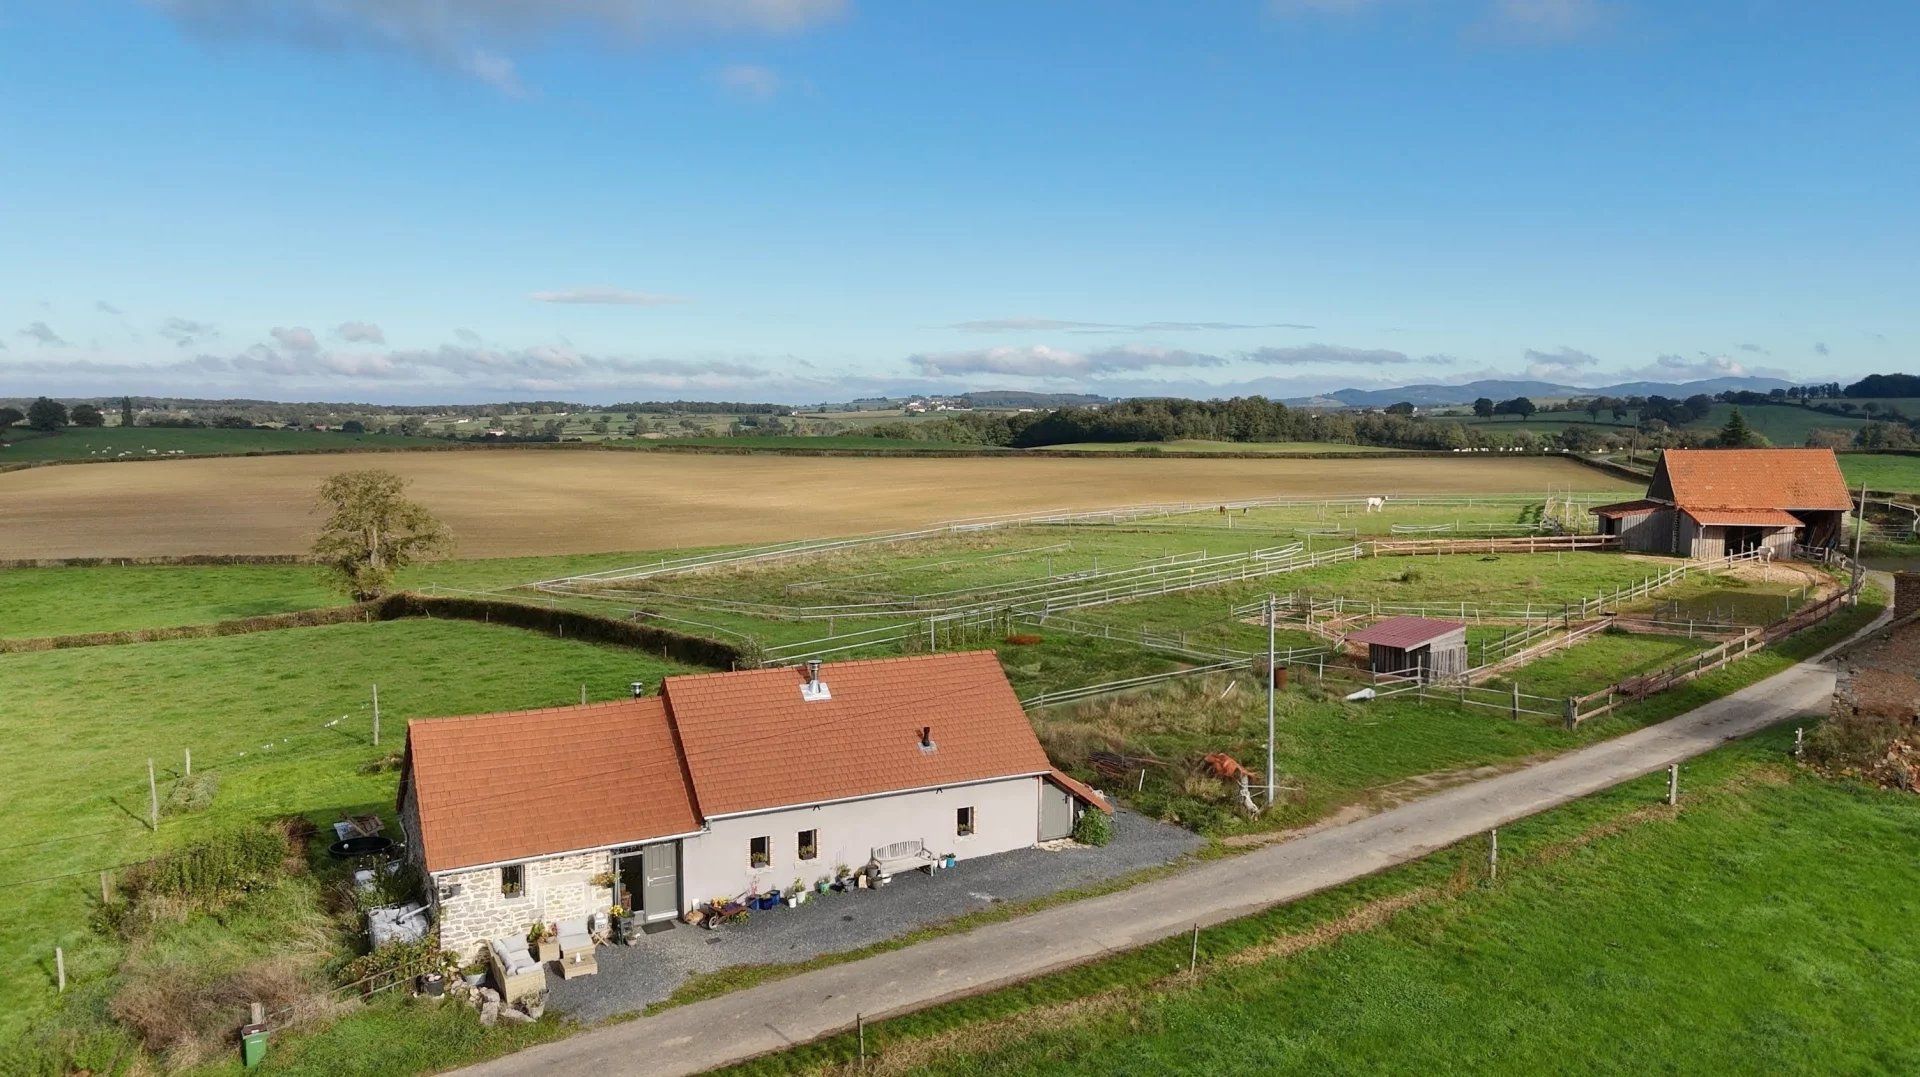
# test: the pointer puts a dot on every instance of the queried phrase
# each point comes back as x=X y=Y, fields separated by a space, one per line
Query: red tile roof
x=1640 y=507
x=1404 y=632
x=1744 y=518
x=500 y=787
x=752 y=742
x=1079 y=790
x=1751 y=479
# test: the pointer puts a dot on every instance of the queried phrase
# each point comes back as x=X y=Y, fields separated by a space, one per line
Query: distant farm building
x=1415 y=646
x=1708 y=503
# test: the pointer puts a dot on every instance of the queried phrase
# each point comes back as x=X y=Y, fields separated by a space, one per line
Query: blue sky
x=810 y=200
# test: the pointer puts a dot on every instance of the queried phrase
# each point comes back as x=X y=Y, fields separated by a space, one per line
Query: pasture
x=1620 y=932
x=144 y=442
x=517 y=502
x=281 y=720
x=1284 y=448
x=1882 y=471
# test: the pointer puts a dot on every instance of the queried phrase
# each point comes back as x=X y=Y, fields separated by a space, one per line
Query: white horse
x=1376 y=504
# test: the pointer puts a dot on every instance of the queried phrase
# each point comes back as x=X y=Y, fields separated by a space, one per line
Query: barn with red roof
x=1710 y=503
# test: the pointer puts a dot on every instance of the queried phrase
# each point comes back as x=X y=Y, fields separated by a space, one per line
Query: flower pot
x=433 y=985
x=474 y=979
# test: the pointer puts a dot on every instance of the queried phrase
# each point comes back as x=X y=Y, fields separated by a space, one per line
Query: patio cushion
x=513 y=956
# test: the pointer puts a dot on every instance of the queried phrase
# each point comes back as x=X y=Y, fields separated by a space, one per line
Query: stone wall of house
x=1906 y=594
x=557 y=888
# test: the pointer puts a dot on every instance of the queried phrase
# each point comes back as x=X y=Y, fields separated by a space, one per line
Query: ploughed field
x=522 y=502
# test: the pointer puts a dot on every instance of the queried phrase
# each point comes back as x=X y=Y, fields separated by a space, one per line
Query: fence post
x=860 y=1031
x=1799 y=741
x=1516 y=701
x=153 y=798
x=60 y=967
x=1573 y=713
x=1193 y=955
x=376 y=716
x=1493 y=854
x=1673 y=784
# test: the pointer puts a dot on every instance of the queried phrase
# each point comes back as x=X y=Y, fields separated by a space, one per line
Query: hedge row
x=566 y=624
x=331 y=615
x=176 y=559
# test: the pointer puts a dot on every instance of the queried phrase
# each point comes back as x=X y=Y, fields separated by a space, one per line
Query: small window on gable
x=963 y=821
x=759 y=852
x=513 y=880
x=809 y=844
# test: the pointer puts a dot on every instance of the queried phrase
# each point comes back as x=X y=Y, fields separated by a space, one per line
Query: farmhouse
x=1419 y=646
x=725 y=784
x=1708 y=503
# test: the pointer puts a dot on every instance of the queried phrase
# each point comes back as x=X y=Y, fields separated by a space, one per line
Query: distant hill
x=1499 y=389
x=1012 y=398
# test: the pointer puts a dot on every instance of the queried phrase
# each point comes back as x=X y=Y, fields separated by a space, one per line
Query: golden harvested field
x=512 y=502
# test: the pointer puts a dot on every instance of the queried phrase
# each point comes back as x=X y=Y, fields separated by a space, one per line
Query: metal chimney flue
x=639 y=688
x=813 y=671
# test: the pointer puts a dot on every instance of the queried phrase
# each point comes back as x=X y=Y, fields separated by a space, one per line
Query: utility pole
x=1860 y=525
x=1270 y=677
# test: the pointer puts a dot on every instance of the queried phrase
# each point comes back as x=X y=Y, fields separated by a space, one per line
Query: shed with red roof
x=1415 y=647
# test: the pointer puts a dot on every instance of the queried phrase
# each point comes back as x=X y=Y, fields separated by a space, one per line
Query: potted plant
x=626 y=926
x=796 y=894
x=474 y=973
x=821 y=884
x=604 y=880
x=544 y=938
x=947 y=860
x=758 y=860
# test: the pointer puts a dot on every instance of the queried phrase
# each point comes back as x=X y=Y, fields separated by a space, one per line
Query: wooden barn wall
x=1648 y=533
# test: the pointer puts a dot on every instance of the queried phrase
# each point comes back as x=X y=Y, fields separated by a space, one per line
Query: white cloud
x=1820 y=348
x=603 y=294
x=295 y=338
x=1066 y=325
x=1042 y=361
x=1561 y=364
x=1306 y=354
x=185 y=332
x=40 y=333
x=475 y=37
x=360 y=333
x=105 y=307
x=1546 y=21
x=748 y=82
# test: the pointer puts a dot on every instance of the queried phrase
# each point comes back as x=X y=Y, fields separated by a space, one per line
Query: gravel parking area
x=633 y=977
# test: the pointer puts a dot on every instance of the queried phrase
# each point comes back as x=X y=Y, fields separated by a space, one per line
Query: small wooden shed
x=1420 y=646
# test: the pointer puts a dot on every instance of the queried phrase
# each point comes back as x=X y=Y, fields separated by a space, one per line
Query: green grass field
x=1882 y=471
x=118 y=443
x=1782 y=424
x=1197 y=446
x=841 y=442
x=283 y=718
x=1620 y=934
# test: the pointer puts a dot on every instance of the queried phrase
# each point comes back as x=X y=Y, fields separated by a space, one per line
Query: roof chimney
x=926 y=738
x=813 y=688
x=639 y=689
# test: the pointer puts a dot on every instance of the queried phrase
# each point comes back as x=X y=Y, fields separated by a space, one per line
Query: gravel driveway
x=632 y=977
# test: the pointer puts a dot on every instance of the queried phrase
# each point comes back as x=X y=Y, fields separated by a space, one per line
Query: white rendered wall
x=715 y=864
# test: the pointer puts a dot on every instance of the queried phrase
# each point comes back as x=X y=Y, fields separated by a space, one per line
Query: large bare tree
x=372 y=531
